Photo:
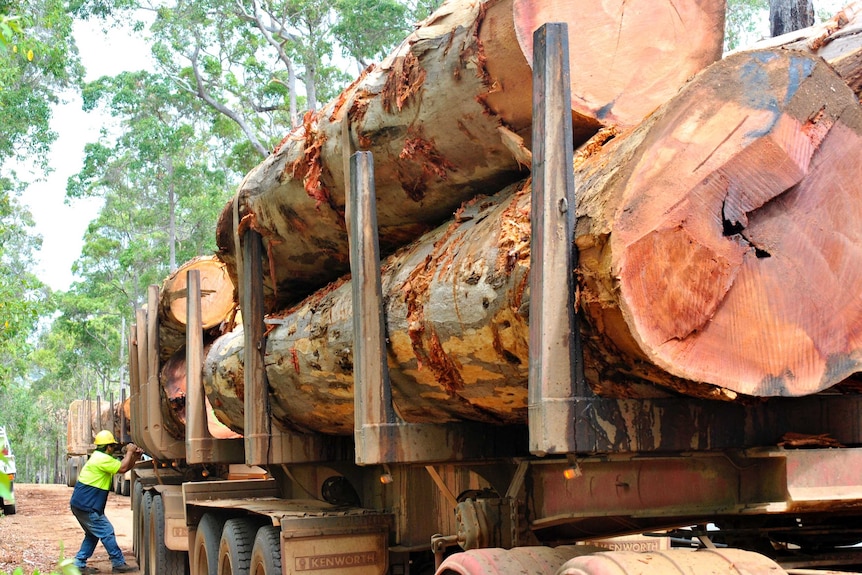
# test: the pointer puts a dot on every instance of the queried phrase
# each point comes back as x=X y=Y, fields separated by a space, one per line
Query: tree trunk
x=447 y=116
x=720 y=254
x=789 y=15
x=217 y=305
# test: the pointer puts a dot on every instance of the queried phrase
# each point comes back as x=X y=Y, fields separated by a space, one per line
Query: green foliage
x=743 y=20
x=37 y=58
x=23 y=298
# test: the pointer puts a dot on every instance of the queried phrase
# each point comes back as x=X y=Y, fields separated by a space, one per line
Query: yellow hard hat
x=104 y=437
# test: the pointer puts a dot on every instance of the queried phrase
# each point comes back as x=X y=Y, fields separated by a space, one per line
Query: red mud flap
x=682 y=561
x=586 y=560
x=520 y=561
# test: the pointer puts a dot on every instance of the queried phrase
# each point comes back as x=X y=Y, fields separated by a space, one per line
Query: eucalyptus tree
x=161 y=180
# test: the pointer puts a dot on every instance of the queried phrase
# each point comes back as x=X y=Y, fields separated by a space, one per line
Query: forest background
x=229 y=79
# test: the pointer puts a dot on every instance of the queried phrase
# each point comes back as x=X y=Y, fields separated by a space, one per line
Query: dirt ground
x=32 y=538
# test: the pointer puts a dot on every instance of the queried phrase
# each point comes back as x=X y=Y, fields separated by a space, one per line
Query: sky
x=62 y=226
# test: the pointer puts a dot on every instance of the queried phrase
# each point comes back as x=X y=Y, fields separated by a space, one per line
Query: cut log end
x=640 y=52
x=739 y=255
x=217 y=297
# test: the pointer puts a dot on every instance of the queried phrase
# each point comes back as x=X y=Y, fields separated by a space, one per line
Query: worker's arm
x=133 y=453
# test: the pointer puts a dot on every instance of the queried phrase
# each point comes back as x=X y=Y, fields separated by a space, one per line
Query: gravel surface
x=32 y=538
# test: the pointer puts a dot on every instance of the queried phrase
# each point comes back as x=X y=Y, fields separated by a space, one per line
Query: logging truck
x=460 y=325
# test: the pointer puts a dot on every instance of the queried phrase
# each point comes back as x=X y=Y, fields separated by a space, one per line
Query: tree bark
x=447 y=116
x=217 y=305
x=720 y=254
x=789 y=15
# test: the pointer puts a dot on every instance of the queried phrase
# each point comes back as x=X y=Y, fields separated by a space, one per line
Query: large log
x=447 y=116
x=720 y=240
x=217 y=303
x=720 y=254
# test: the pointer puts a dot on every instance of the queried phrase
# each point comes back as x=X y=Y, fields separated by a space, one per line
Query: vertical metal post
x=372 y=391
x=198 y=438
x=256 y=400
x=555 y=365
x=164 y=446
x=143 y=380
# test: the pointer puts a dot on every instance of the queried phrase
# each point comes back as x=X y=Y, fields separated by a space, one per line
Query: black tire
x=204 y=553
x=266 y=552
x=125 y=487
x=9 y=509
x=162 y=560
x=144 y=543
x=234 y=550
x=137 y=494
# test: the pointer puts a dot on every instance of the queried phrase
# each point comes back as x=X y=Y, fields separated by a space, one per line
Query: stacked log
x=447 y=116
x=719 y=256
x=217 y=304
x=699 y=227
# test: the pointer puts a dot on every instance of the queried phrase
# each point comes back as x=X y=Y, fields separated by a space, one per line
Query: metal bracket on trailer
x=380 y=435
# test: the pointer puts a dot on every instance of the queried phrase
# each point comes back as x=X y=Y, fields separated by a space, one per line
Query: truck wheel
x=144 y=543
x=204 y=554
x=125 y=487
x=266 y=552
x=161 y=559
x=234 y=550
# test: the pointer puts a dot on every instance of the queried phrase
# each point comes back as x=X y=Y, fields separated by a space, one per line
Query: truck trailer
x=351 y=429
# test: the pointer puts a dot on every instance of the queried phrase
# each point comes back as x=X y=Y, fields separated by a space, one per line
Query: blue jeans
x=96 y=526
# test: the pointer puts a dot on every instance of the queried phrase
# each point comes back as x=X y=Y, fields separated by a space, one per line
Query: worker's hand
x=135 y=448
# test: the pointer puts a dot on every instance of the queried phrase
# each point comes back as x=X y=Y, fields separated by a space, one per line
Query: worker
x=91 y=495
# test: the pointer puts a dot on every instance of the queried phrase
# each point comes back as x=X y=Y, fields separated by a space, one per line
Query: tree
x=162 y=191
x=741 y=21
x=789 y=15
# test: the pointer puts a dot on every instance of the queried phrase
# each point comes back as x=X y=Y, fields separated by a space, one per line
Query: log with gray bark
x=720 y=254
x=447 y=116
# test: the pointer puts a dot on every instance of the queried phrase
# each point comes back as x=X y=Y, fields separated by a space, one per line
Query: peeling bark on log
x=838 y=41
x=455 y=323
x=447 y=117
x=720 y=255
x=217 y=304
x=720 y=240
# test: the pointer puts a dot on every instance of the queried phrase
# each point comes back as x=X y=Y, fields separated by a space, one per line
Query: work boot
x=86 y=570
x=124 y=568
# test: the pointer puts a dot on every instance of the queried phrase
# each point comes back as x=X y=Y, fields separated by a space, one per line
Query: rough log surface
x=173 y=380
x=217 y=303
x=447 y=117
x=720 y=255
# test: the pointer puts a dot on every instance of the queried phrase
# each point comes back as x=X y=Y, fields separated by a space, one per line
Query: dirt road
x=33 y=537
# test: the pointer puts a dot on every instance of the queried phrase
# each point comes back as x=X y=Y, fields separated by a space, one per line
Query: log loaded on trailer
x=457 y=353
